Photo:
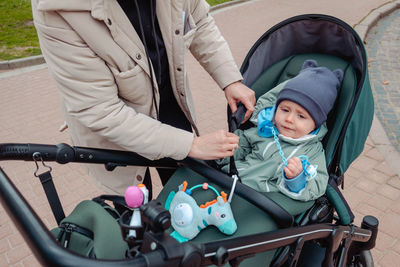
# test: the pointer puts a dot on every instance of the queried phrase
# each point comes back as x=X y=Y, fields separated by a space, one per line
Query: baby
x=284 y=152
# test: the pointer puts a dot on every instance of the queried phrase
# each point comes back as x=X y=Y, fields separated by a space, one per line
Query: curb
x=218 y=7
x=372 y=18
x=21 y=62
x=377 y=133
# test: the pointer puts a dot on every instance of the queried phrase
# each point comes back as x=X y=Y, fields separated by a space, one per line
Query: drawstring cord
x=303 y=158
x=284 y=160
x=148 y=57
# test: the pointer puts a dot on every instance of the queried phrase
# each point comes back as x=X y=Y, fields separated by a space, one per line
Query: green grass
x=216 y=2
x=18 y=37
x=17 y=33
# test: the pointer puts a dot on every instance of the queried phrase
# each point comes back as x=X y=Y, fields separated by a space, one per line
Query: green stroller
x=272 y=229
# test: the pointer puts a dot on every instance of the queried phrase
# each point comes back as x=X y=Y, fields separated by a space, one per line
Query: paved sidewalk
x=29 y=113
x=383 y=48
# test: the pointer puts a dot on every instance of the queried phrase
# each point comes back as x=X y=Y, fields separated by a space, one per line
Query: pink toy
x=134 y=197
x=205 y=186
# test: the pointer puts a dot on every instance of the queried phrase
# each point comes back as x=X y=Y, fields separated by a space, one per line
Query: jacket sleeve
x=210 y=48
x=315 y=186
x=244 y=147
x=90 y=95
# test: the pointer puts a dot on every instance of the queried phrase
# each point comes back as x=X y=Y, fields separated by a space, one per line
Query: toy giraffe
x=188 y=219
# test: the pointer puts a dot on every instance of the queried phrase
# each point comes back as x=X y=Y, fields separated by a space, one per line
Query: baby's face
x=292 y=120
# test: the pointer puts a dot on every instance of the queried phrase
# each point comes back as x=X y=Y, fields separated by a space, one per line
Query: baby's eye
x=301 y=116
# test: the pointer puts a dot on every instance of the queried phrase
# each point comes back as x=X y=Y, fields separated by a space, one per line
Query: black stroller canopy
x=304 y=34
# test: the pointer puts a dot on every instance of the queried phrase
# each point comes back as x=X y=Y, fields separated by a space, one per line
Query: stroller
x=272 y=229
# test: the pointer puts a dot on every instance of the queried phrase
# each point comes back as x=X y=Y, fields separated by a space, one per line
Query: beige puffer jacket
x=99 y=65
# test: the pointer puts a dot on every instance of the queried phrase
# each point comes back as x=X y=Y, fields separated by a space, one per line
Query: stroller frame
x=343 y=242
x=159 y=249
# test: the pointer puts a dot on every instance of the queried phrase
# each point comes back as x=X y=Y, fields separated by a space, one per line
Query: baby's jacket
x=260 y=164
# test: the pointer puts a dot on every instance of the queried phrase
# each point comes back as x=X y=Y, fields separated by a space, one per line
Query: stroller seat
x=249 y=218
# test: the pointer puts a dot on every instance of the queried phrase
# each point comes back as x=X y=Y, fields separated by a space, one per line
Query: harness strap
x=52 y=196
x=234 y=121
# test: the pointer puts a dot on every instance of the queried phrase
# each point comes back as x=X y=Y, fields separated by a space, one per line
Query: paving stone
x=353 y=172
x=355 y=196
x=390 y=259
x=5 y=230
x=367 y=185
x=374 y=153
x=380 y=202
x=376 y=176
x=389 y=192
x=376 y=255
x=395 y=182
x=15 y=240
x=17 y=254
x=390 y=221
x=4 y=245
x=350 y=180
x=396 y=247
x=31 y=261
x=384 y=168
x=3 y=261
x=368 y=209
x=364 y=164
x=396 y=207
x=384 y=241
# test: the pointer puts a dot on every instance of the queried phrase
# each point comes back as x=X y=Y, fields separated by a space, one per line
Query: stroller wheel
x=364 y=259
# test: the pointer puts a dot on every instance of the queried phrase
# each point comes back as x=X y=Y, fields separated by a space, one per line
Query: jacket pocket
x=133 y=85
x=189 y=31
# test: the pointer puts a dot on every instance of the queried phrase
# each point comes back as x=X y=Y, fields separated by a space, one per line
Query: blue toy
x=188 y=219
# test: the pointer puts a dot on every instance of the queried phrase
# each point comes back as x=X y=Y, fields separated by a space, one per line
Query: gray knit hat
x=314 y=88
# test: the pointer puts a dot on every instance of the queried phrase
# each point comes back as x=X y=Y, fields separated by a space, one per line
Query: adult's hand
x=238 y=92
x=216 y=145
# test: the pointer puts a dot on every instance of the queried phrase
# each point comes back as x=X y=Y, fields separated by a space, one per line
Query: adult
x=120 y=70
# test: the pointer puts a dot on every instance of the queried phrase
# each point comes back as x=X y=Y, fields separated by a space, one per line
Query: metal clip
x=36 y=157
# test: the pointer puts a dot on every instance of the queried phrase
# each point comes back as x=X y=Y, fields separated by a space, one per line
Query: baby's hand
x=294 y=168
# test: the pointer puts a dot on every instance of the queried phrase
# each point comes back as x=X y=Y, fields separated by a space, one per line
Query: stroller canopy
x=316 y=34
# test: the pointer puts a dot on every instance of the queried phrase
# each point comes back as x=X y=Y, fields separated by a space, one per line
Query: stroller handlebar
x=63 y=153
x=17 y=151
